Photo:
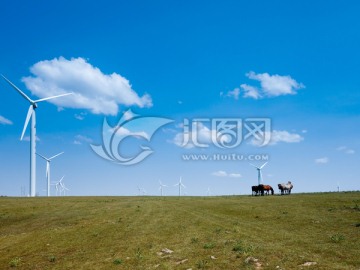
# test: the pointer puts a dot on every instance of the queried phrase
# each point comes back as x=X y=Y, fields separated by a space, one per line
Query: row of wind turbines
x=142 y=191
x=60 y=187
x=180 y=185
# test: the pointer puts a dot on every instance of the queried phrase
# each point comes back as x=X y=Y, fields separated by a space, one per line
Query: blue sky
x=293 y=63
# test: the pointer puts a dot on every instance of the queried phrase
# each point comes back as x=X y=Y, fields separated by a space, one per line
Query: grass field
x=236 y=232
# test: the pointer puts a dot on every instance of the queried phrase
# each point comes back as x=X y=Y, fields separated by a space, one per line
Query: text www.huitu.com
x=225 y=157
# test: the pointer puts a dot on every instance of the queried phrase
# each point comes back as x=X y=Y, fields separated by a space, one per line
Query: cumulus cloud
x=322 y=160
x=250 y=91
x=234 y=93
x=225 y=174
x=278 y=136
x=270 y=85
x=200 y=136
x=345 y=150
x=80 y=139
x=5 y=121
x=93 y=90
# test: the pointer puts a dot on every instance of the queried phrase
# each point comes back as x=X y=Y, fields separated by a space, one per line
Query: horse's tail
x=272 y=191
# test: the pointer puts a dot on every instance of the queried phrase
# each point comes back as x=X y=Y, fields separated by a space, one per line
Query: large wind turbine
x=260 y=181
x=161 y=187
x=180 y=184
x=31 y=114
x=48 y=169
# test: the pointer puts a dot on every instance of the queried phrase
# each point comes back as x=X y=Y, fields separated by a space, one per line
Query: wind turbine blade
x=56 y=155
x=263 y=165
x=43 y=99
x=60 y=182
x=42 y=156
x=30 y=111
x=17 y=89
x=254 y=165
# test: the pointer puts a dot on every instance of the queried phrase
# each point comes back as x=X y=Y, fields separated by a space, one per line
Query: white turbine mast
x=31 y=114
x=181 y=185
x=260 y=180
x=208 y=192
x=161 y=187
x=48 y=160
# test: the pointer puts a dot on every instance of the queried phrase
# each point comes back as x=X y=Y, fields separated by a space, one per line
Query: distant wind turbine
x=208 y=192
x=260 y=180
x=63 y=188
x=48 y=169
x=139 y=190
x=181 y=185
x=31 y=114
x=161 y=187
x=58 y=186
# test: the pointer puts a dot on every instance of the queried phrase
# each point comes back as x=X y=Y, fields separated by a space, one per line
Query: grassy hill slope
x=237 y=232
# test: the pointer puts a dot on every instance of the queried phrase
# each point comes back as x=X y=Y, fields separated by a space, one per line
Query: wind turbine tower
x=260 y=180
x=181 y=185
x=48 y=169
x=161 y=187
x=31 y=114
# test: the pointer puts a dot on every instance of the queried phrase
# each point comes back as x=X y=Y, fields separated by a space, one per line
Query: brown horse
x=261 y=189
x=266 y=188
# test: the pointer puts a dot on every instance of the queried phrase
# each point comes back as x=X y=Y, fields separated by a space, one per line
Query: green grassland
x=234 y=232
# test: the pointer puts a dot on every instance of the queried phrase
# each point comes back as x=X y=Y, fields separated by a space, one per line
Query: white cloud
x=203 y=135
x=278 y=136
x=220 y=173
x=129 y=115
x=234 y=93
x=121 y=131
x=322 y=160
x=271 y=85
x=5 y=121
x=250 y=91
x=80 y=116
x=93 y=90
x=235 y=175
x=225 y=174
x=345 y=150
x=79 y=139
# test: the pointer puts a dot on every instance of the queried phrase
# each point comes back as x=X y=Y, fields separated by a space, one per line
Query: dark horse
x=255 y=190
x=261 y=189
